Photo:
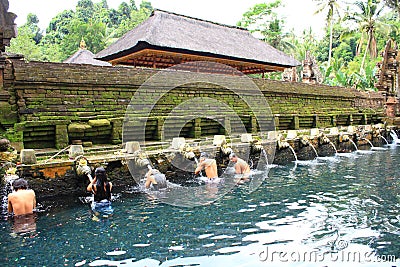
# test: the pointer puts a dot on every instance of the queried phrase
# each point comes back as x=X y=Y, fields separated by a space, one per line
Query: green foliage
x=369 y=22
x=136 y=17
x=25 y=44
x=93 y=33
x=394 y=5
x=261 y=19
x=344 y=52
x=366 y=29
x=146 y=5
x=84 y=10
x=32 y=24
x=96 y=23
x=332 y=8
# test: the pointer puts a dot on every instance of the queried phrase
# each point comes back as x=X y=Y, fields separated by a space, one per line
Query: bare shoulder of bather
x=211 y=168
x=22 y=201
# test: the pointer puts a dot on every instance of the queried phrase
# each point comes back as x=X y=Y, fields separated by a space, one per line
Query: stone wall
x=56 y=103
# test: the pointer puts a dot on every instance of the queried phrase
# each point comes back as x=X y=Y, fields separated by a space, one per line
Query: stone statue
x=311 y=73
x=8 y=29
x=290 y=75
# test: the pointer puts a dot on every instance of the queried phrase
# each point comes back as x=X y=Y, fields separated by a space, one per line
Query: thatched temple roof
x=84 y=56
x=166 y=39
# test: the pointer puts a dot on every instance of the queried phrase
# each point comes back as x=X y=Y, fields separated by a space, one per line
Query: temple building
x=84 y=56
x=166 y=39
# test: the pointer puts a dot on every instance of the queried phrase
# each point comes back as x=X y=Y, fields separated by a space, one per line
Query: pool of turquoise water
x=304 y=214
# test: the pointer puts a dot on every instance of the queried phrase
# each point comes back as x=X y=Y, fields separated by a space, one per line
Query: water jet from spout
x=369 y=142
x=315 y=150
x=334 y=147
x=394 y=136
x=354 y=144
x=265 y=156
x=294 y=153
x=384 y=139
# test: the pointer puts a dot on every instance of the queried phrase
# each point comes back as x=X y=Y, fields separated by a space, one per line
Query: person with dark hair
x=209 y=165
x=241 y=167
x=101 y=189
x=22 y=200
x=155 y=179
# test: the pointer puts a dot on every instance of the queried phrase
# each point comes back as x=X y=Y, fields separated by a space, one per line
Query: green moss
x=78 y=127
x=7 y=116
x=100 y=122
x=13 y=135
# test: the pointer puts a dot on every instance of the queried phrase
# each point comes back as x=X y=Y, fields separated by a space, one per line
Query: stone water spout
x=323 y=139
x=187 y=151
x=136 y=154
x=142 y=160
x=346 y=138
x=257 y=146
x=376 y=132
x=305 y=141
x=82 y=168
x=10 y=176
x=283 y=144
x=226 y=149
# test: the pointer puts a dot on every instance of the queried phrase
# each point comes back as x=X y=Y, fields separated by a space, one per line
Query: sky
x=298 y=14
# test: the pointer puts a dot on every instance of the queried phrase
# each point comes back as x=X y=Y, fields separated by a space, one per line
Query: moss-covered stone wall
x=56 y=103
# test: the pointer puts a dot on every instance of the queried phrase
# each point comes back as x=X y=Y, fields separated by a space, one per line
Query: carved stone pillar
x=8 y=29
x=391 y=105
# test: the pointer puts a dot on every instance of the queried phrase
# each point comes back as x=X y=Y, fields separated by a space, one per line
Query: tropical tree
x=32 y=23
x=369 y=20
x=25 y=44
x=133 y=5
x=128 y=23
x=262 y=20
x=124 y=10
x=301 y=44
x=145 y=5
x=395 y=5
x=332 y=7
x=93 y=32
x=85 y=10
x=59 y=26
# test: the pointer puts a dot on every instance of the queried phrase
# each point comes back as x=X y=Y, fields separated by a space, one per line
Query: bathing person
x=22 y=200
x=155 y=179
x=101 y=189
x=241 y=167
x=209 y=165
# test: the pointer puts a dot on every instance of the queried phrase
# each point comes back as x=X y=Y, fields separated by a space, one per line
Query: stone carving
x=290 y=75
x=8 y=29
x=311 y=73
x=388 y=70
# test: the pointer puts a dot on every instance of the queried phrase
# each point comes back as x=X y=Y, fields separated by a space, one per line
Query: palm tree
x=333 y=7
x=369 y=22
x=395 y=5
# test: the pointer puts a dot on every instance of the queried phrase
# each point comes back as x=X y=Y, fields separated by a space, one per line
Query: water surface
x=322 y=208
